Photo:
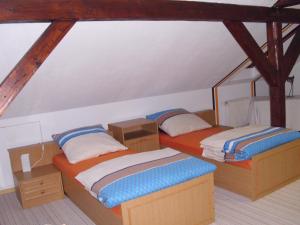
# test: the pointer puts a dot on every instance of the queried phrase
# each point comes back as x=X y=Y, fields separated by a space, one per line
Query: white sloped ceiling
x=101 y=62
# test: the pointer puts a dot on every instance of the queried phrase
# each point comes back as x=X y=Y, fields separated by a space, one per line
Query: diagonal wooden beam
x=31 y=61
x=41 y=11
x=291 y=55
x=284 y=39
x=252 y=49
x=286 y=3
x=247 y=60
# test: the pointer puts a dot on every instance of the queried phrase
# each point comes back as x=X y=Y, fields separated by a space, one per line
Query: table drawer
x=41 y=183
x=42 y=192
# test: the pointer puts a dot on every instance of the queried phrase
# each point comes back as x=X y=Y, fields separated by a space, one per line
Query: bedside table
x=42 y=185
x=138 y=134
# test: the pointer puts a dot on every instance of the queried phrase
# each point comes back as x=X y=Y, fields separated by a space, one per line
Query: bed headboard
x=35 y=153
x=207 y=115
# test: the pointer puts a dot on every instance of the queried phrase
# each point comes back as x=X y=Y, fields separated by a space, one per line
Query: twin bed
x=253 y=178
x=189 y=202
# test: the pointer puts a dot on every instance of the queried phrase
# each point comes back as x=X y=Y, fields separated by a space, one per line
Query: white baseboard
x=7 y=190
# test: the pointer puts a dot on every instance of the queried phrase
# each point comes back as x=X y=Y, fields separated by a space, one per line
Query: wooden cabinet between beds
x=138 y=134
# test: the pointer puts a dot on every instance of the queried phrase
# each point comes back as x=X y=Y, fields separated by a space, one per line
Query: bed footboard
x=276 y=168
x=88 y=204
x=270 y=171
x=184 y=204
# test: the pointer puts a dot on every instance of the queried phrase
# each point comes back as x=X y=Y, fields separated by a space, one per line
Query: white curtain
x=238 y=112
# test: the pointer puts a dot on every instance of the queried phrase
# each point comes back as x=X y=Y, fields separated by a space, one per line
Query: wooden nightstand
x=138 y=134
x=42 y=185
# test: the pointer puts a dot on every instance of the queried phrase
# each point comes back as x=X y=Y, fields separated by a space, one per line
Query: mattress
x=190 y=143
x=71 y=170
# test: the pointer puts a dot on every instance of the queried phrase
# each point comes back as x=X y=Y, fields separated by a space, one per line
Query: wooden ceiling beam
x=292 y=55
x=31 y=61
x=252 y=49
x=286 y=3
x=12 y=11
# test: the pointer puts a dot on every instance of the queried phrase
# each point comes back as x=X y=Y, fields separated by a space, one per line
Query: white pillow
x=89 y=146
x=182 y=124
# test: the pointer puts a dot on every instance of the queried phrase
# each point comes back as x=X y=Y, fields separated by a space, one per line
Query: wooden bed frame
x=270 y=170
x=188 y=203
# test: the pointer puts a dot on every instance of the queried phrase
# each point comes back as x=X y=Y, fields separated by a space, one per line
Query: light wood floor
x=279 y=208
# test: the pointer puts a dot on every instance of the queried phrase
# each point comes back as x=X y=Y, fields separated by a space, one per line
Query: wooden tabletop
x=132 y=123
x=36 y=172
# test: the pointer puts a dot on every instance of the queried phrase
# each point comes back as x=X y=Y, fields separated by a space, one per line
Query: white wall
x=25 y=130
x=262 y=89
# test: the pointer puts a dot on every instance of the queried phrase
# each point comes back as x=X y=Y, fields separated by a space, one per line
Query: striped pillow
x=86 y=142
x=178 y=121
x=62 y=138
x=162 y=116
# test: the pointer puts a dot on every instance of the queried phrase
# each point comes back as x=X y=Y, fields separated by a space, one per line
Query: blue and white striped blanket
x=243 y=148
x=132 y=176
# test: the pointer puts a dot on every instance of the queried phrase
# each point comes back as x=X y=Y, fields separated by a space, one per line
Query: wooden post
x=277 y=105
x=277 y=90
